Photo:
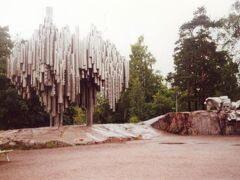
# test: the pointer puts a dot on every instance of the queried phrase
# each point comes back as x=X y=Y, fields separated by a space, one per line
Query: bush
x=134 y=119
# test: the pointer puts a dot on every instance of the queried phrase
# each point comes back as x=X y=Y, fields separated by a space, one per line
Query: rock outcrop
x=47 y=137
x=197 y=123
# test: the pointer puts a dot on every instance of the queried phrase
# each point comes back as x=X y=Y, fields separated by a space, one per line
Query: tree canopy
x=201 y=69
x=14 y=111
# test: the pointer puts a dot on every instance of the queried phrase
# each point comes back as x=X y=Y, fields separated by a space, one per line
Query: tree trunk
x=189 y=105
x=51 y=120
x=188 y=96
x=196 y=105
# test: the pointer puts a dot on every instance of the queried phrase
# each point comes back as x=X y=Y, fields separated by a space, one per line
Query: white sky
x=120 y=21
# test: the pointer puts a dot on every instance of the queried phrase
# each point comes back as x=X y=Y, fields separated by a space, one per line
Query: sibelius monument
x=60 y=68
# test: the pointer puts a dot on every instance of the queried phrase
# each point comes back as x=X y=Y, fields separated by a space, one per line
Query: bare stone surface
x=197 y=123
x=49 y=137
x=205 y=123
x=183 y=123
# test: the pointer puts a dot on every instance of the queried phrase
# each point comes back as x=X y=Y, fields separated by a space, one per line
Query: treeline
x=206 y=59
x=207 y=63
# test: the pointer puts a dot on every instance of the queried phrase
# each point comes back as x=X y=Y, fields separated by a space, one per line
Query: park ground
x=164 y=157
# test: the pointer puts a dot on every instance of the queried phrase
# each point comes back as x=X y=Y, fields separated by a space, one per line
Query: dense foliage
x=146 y=96
x=202 y=69
x=229 y=34
x=14 y=111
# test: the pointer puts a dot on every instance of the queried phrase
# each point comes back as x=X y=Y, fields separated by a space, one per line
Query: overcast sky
x=120 y=21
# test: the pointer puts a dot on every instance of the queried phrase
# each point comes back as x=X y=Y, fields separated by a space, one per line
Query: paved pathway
x=165 y=157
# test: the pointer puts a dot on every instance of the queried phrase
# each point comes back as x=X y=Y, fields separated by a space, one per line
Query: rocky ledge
x=37 y=138
x=198 y=123
x=183 y=123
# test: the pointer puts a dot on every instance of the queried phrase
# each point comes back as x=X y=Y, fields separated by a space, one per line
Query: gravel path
x=165 y=157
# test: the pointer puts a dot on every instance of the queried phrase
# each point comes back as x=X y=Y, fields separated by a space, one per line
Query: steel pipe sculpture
x=61 y=69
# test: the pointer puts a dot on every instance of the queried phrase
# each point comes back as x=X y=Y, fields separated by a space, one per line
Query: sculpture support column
x=90 y=104
x=56 y=121
x=51 y=120
x=60 y=123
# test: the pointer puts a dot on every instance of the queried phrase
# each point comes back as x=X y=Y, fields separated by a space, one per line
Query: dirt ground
x=166 y=157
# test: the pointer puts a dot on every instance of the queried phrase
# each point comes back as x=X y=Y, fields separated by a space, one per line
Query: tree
x=229 y=31
x=141 y=62
x=141 y=86
x=74 y=115
x=164 y=100
x=11 y=107
x=14 y=111
x=229 y=34
x=145 y=86
x=200 y=69
x=5 y=48
x=146 y=96
x=5 y=42
x=103 y=113
x=136 y=99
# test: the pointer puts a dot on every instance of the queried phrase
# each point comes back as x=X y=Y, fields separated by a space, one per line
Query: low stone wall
x=197 y=123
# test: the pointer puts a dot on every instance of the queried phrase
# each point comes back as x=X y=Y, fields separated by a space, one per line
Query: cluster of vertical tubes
x=61 y=69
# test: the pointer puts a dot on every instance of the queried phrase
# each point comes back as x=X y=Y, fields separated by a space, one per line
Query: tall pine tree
x=200 y=69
